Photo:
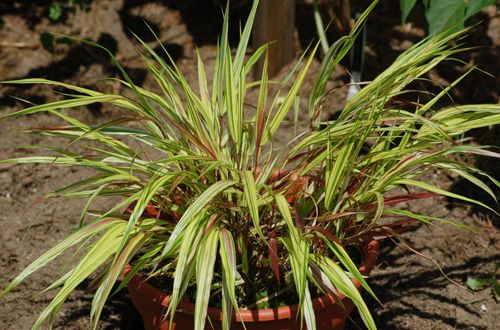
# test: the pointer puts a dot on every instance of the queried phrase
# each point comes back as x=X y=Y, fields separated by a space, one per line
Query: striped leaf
x=100 y=251
x=115 y=270
x=250 y=191
x=344 y=284
x=227 y=252
x=440 y=191
x=82 y=234
x=205 y=260
x=194 y=209
x=289 y=99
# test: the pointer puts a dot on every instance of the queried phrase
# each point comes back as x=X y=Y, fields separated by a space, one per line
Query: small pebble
x=483 y=308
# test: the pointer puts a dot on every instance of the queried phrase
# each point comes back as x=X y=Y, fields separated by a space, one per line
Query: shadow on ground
x=402 y=282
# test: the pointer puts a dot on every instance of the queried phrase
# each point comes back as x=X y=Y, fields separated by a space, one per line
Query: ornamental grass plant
x=223 y=215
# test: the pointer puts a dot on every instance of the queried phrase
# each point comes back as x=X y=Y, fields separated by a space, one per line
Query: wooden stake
x=275 y=22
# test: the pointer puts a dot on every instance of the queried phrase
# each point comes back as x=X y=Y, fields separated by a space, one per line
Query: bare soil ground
x=414 y=292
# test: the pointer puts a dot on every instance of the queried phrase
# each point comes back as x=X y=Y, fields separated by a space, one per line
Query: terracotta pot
x=152 y=304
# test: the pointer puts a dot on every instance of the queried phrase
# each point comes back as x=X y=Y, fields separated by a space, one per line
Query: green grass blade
x=344 y=284
x=250 y=191
x=245 y=38
x=82 y=234
x=185 y=266
x=336 y=174
x=104 y=248
x=115 y=270
x=347 y=262
x=289 y=99
x=260 y=121
x=227 y=252
x=205 y=261
x=195 y=208
x=440 y=191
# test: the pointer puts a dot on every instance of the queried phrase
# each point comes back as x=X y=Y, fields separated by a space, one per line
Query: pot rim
x=253 y=315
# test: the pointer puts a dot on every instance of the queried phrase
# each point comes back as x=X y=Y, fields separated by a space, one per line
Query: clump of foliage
x=56 y=11
x=57 y=8
x=444 y=15
x=234 y=210
x=441 y=15
x=477 y=283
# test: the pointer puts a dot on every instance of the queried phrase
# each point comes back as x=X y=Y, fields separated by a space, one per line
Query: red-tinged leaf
x=191 y=136
x=390 y=229
x=399 y=223
x=357 y=181
x=273 y=255
x=277 y=175
x=296 y=188
x=99 y=223
x=90 y=157
x=408 y=197
x=332 y=217
x=53 y=128
x=402 y=162
x=298 y=221
x=131 y=207
x=228 y=241
x=152 y=211
x=325 y=233
x=113 y=122
x=211 y=222
x=300 y=156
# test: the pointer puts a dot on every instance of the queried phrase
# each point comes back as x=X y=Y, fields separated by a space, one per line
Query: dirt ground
x=414 y=293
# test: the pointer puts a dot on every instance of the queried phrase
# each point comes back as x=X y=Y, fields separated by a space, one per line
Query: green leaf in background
x=445 y=14
x=55 y=11
x=406 y=7
x=475 y=6
x=477 y=283
x=47 y=41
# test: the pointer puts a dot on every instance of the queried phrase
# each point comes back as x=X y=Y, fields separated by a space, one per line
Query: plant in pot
x=217 y=223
